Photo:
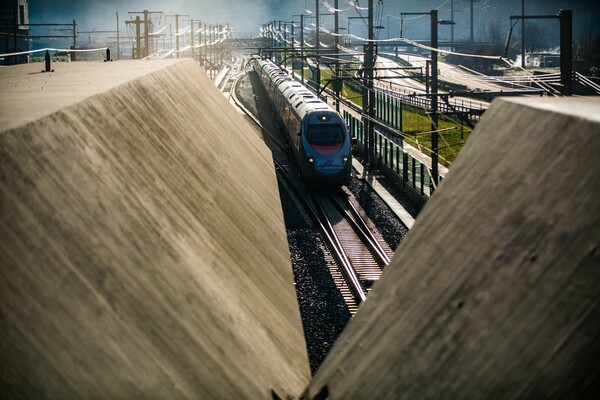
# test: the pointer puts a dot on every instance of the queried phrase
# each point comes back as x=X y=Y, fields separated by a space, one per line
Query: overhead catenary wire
x=333 y=9
x=158 y=32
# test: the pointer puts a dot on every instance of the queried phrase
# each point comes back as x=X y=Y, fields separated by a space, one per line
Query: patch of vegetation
x=450 y=140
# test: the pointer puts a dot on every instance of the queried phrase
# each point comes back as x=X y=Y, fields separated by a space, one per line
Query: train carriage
x=315 y=133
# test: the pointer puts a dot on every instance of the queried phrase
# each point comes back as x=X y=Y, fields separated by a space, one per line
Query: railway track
x=360 y=255
x=357 y=254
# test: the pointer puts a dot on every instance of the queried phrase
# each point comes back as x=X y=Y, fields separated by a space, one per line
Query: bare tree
x=492 y=31
x=536 y=37
x=587 y=52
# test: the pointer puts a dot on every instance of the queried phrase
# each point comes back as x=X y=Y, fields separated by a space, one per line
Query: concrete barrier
x=495 y=292
x=143 y=249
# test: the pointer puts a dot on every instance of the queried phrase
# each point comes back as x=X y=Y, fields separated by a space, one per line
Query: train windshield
x=325 y=134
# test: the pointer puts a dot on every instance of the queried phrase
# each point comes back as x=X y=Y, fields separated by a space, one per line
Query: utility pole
x=15 y=30
x=337 y=56
x=523 y=34
x=118 y=39
x=73 y=54
x=284 y=45
x=471 y=36
x=566 y=50
x=318 y=77
x=177 y=34
x=388 y=26
x=201 y=51
x=211 y=49
x=138 y=35
x=192 y=50
x=138 y=40
x=302 y=46
x=206 y=39
x=452 y=27
x=293 y=38
x=271 y=39
x=204 y=49
x=434 y=97
x=146 y=34
x=370 y=95
x=177 y=30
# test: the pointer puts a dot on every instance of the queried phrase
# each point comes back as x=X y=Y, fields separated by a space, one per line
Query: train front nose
x=330 y=173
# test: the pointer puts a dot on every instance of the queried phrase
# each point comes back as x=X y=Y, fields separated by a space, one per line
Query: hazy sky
x=246 y=16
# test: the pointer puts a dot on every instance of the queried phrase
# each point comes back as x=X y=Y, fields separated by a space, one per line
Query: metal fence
x=391 y=155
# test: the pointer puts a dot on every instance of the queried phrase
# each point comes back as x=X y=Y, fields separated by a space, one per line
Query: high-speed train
x=316 y=134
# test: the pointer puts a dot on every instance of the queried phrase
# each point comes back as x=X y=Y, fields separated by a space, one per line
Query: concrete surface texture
x=495 y=292
x=143 y=250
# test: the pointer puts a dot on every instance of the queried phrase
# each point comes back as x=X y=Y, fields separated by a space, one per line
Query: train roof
x=302 y=100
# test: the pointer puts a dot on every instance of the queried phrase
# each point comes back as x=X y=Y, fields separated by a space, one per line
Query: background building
x=14 y=30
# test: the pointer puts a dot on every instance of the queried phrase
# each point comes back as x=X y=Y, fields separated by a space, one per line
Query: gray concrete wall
x=143 y=250
x=495 y=292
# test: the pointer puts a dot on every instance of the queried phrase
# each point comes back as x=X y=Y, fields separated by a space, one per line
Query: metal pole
x=388 y=26
x=15 y=31
x=73 y=55
x=472 y=37
x=146 y=34
x=176 y=34
x=201 y=51
x=302 y=45
x=118 y=39
x=285 y=44
x=434 y=99
x=138 y=40
x=369 y=65
x=192 y=39
x=523 y=34
x=348 y=32
x=337 y=62
x=566 y=50
x=272 y=39
x=318 y=77
x=452 y=26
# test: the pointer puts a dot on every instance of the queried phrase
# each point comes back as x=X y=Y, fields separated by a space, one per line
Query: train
x=316 y=134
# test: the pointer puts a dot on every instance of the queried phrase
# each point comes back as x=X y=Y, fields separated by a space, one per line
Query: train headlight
x=311 y=160
x=345 y=158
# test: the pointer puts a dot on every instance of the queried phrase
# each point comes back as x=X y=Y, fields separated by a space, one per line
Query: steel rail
x=361 y=229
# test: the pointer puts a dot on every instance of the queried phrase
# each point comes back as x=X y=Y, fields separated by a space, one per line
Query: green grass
x=414 y=122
